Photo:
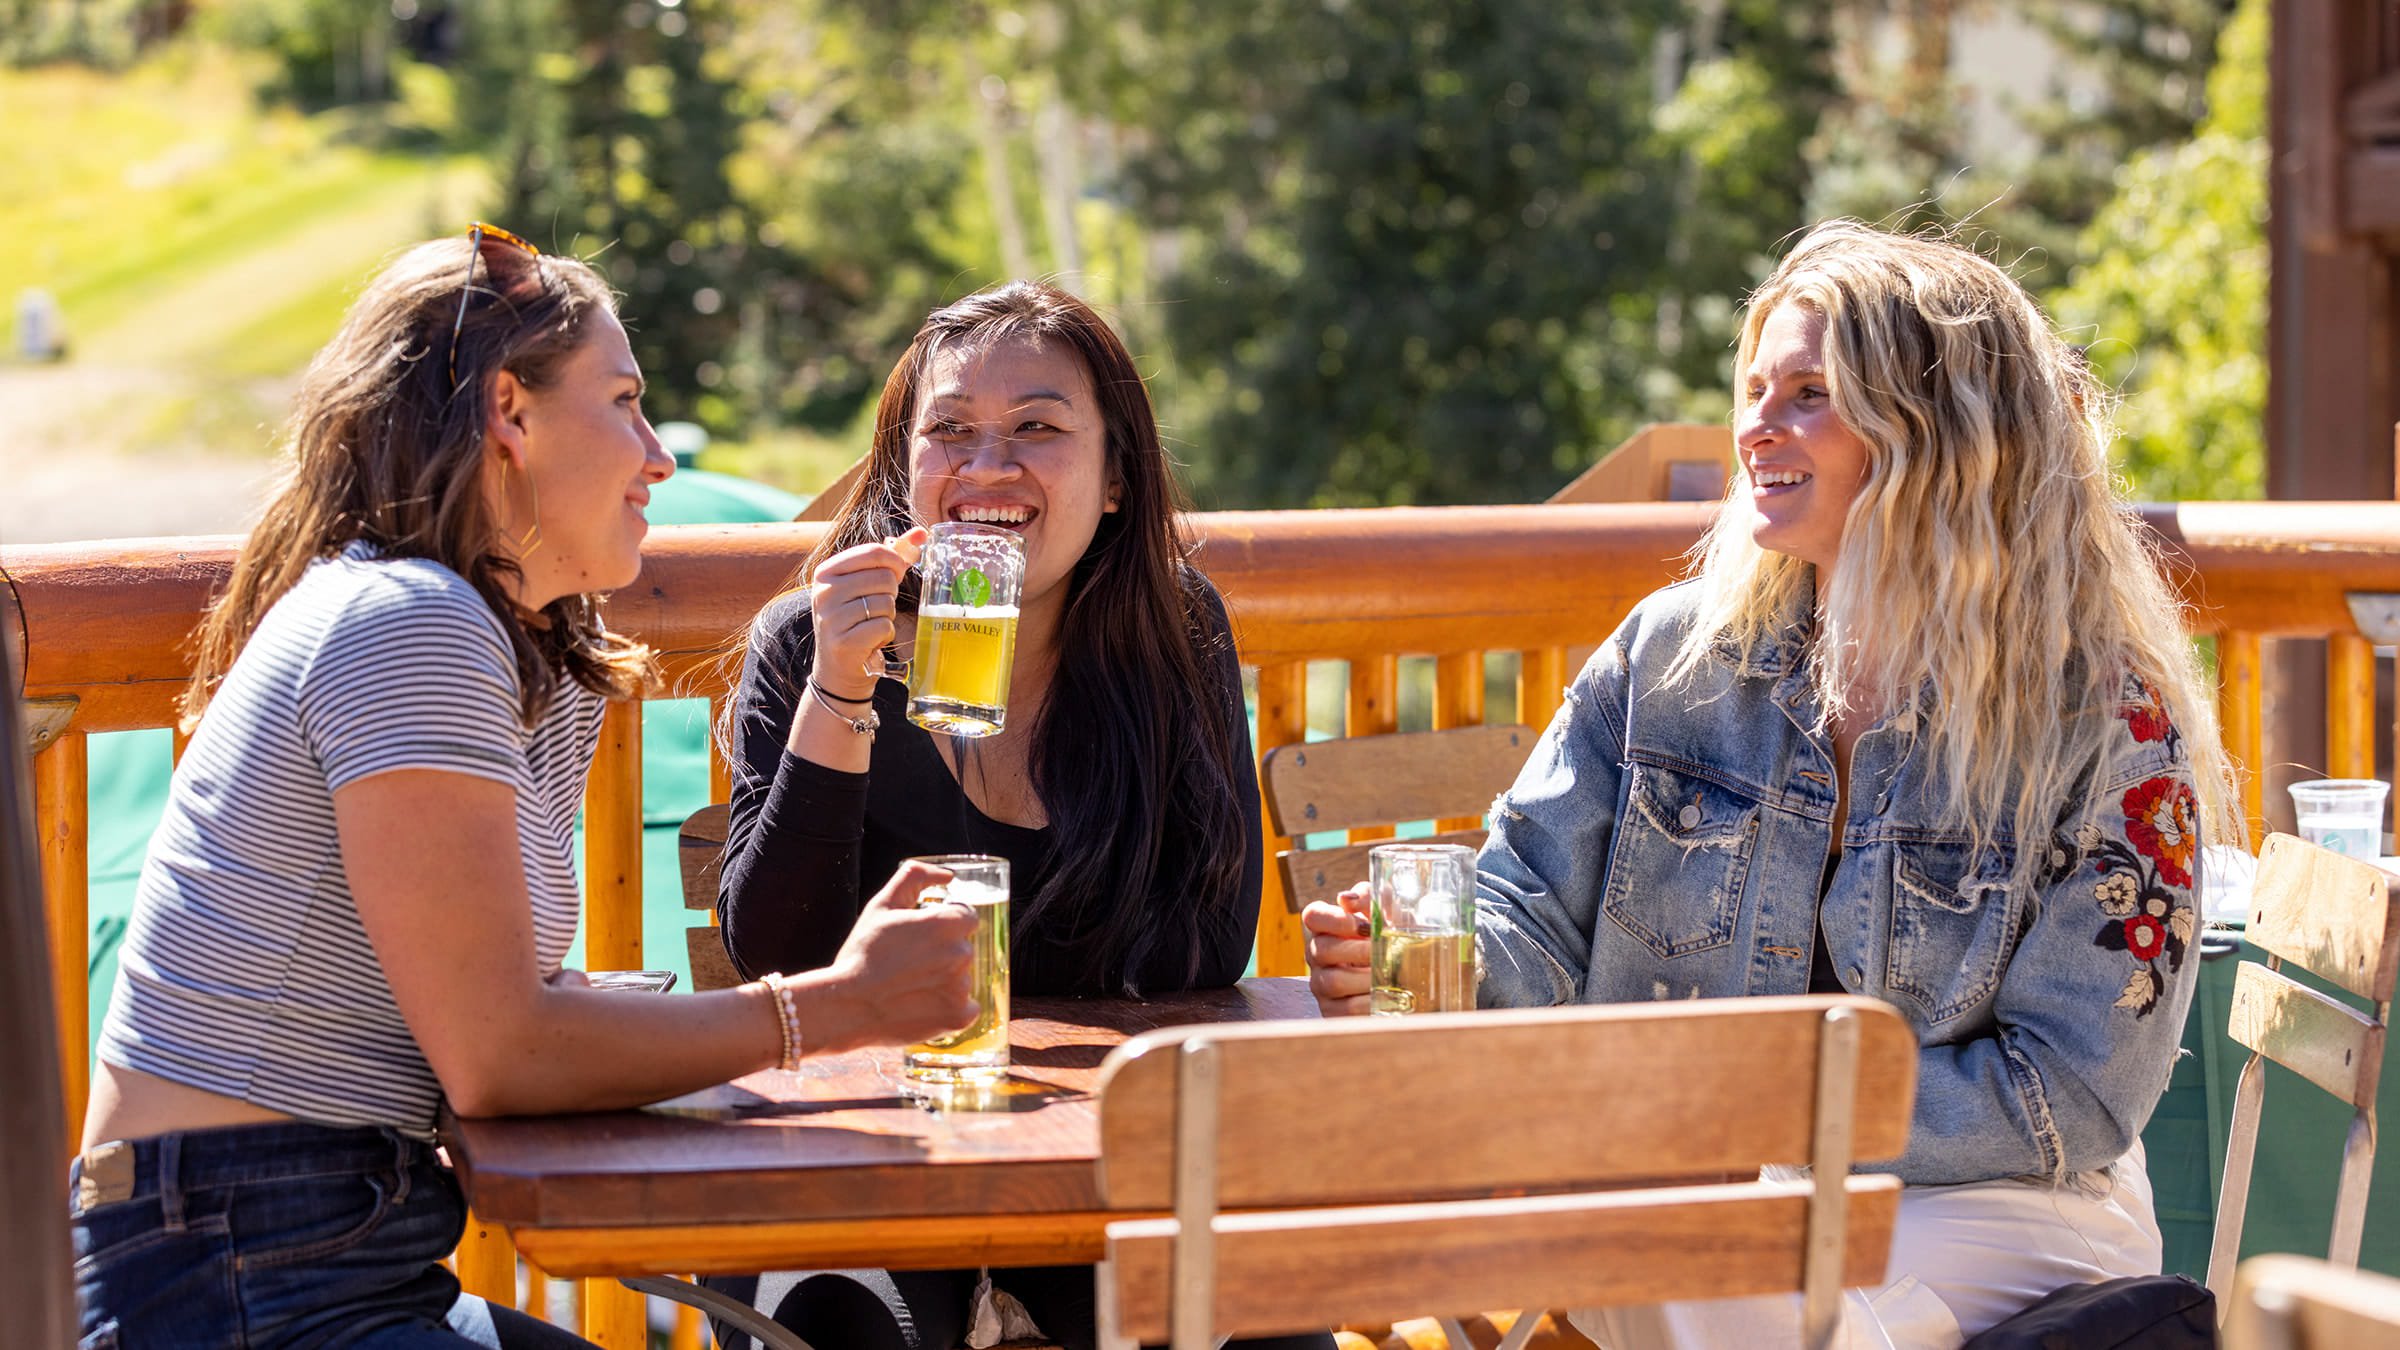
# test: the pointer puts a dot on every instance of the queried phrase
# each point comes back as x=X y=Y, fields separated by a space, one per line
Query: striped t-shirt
x=246 y=971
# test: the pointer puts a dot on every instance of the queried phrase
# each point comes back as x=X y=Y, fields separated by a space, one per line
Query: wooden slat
x=1458 y=696
x=612 y=843
x=894 y=1244
x=2306 y=1304
x=2238 y=704
x=61 y=810
x=2336 y=917
x=700 y=852
x=1310 y=875
x=1338 y=785
x=720 y=773
x=2329 y=1043
x=1401 y=1261
x=1541 y=685
x=615 y=1317
x=487 y=1263
x=1690 y=1059
x=1373 y=710
x=1282 y=721
x=2349 y=706
x=705 y=957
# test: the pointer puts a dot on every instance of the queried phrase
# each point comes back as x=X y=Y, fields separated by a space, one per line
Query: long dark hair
x=1133 y=762
x=385 y=444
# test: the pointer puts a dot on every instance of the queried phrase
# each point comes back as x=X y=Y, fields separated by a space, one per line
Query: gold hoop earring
x=531 y=538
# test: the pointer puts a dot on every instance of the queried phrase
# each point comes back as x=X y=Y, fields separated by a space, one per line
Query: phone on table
x=638 y=981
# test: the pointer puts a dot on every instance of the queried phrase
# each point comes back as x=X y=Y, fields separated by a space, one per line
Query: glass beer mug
x=1421 y=928
x=966 y=629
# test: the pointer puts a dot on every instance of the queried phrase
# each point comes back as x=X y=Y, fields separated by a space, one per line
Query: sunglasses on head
x=476 y=234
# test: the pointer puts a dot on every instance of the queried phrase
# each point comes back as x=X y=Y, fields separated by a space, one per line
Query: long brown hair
x=385 y=445
x=1133 y=764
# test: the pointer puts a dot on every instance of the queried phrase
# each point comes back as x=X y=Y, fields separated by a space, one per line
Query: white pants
x=1963 y=1258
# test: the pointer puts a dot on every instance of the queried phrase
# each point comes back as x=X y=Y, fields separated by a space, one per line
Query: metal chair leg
x=741 y=1316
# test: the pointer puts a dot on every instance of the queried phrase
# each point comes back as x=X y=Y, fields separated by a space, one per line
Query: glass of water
x=2342 y=814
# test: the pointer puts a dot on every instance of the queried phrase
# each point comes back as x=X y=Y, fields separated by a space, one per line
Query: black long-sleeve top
x=807 y=845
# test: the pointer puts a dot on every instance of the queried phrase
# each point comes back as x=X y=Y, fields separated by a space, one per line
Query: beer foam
x=984 y=612
x=975 y=893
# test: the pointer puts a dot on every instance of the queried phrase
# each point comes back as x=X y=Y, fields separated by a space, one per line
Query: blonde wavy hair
x=387 y=444
x=1990 y=580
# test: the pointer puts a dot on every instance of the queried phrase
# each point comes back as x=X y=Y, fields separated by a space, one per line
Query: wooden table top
x=842 y=1142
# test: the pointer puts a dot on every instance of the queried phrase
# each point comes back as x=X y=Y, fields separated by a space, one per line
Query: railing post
x=1373 y=710
x=614 y=1316
x=1458 y=702
x=612 y=843
x=62 y=812
x=2238 y=715
x=1282 y=720
x=2349 y=706
x=1541 y=685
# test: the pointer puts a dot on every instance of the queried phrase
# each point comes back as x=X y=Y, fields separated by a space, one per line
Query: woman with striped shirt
x=361 y=893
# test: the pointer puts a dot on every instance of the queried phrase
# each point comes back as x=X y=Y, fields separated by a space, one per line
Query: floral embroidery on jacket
x=2142 y=872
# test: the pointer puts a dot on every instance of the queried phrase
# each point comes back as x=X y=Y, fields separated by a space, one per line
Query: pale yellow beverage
x=958 y=677
x=1422 y=972
x=979 y=1051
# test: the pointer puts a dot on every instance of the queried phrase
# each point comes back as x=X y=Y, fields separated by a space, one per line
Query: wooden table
x=837 y=1166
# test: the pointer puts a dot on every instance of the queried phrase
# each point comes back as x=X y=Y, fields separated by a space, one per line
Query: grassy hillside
x=201 y=247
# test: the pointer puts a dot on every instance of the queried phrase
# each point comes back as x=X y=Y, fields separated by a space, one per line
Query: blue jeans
x=288 y=1235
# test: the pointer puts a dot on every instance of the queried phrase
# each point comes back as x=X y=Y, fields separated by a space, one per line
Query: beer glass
x=978 y=1052
x=1421 y=928
x=966 y=628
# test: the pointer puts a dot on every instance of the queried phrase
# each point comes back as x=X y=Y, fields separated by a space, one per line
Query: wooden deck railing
x=105 y=625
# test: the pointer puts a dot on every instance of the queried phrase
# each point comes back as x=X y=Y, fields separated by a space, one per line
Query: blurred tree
x=730 y=167
x=1394 y=234
x=2174 y=299
x=2149 y=61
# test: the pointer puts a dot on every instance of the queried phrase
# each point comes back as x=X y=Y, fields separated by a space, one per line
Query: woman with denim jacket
x=1923 y=726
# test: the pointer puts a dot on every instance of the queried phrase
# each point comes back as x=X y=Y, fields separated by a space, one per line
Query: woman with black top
x=1121 y=790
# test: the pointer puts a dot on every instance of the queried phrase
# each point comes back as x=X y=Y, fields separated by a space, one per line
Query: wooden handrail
x=107 y=623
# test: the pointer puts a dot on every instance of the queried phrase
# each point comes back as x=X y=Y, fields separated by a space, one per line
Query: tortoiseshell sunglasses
x=476 y=234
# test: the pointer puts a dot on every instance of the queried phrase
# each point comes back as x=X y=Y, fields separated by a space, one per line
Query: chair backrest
x=1448 y=777
x=2338 y=919
x=700 y=848
x=1368 y=1154
x=36 y=1260
x=2300 y=1303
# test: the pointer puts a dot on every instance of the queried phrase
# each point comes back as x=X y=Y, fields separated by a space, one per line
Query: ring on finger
x=865 y=608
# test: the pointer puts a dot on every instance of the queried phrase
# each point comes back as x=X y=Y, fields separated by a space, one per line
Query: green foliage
x=1405 y=223
x=2174 y=297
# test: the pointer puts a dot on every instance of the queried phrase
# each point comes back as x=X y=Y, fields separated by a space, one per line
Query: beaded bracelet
x=787 y=1021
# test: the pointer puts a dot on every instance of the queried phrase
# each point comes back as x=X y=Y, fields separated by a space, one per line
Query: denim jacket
x=1672 y=843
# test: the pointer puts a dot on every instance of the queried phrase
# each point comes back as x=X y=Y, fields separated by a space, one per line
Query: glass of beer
x=1421 y=928
x=977 y=1052
x=966 y=628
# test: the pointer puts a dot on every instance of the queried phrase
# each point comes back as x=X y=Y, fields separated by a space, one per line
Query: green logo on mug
x=971 y=588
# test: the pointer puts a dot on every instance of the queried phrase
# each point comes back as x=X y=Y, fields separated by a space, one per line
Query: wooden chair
x=1448 y=777
x=2339 y=919
x=2300 y=1303
x=700 y=848
x=1346 y=1172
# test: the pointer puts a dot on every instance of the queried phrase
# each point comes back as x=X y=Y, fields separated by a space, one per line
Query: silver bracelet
x=861 y=726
